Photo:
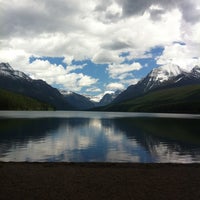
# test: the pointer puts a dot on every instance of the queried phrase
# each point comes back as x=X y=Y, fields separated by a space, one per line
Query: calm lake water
x=71 y=136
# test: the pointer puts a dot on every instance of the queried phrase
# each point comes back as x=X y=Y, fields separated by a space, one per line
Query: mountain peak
x=79 y=101
x=196 y=71
x=196 y=68
x=161 y=75
x=165 y=72
x=6 y=66
x=7 y=70
x=109 y=97
x=20 y=83
x=165 y=76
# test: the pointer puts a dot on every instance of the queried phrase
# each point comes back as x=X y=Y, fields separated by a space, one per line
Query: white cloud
x=57 y=74
x=86 y=80
x=180 y=55
x=93 y=89
x=132 y=81
x=74 y=67
x=115 y=86
x=188 y=8
x=106 y=57
x=96 y=98
x=121 y=71
x=76 y=34
x=99 y=31
x=16 y=57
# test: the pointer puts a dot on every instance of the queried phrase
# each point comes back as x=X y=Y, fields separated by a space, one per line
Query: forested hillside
x=12 y=101
x=185 y=99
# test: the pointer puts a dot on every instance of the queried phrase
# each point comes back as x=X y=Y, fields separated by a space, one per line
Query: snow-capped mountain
x=165 y=72
x=7 y=70
x=5 y=67
x=162 y=77
x=195 y=72
x=78 y=101
x=21 y=83
x=167 y=76
x=108 y=98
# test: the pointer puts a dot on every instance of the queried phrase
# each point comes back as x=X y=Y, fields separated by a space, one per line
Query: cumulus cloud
x=93 y=89
x=74 y=67
x=131 y=81
x=74 y=33
x=156 y=13
x=115 y=86
x=98 y=31
x=16 y=57
x=106 y=57
x=179 y=54
x=117 y=44
x=122 y=71
x=57 y=74
x=34 y=17
x=189 y=9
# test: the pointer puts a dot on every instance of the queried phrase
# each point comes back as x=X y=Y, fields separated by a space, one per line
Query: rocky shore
x=99 y=181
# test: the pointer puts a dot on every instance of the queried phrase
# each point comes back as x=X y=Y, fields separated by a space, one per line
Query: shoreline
x=26 y=180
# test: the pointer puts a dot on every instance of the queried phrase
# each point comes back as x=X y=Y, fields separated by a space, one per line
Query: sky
x=94 y=47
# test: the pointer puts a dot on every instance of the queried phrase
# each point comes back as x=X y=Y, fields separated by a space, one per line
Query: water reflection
x=100 y=139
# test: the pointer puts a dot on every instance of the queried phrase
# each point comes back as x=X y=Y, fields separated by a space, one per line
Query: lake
x=77 y=136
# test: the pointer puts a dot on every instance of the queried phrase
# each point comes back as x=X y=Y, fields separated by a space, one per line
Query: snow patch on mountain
x=5 y=66
x=7 y=70
x=165 y=72
x=196 y=71
x=109 y=97
x=65 y=92
x=162 y=77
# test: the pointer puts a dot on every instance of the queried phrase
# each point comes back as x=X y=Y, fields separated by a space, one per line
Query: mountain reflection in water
x=100 y=139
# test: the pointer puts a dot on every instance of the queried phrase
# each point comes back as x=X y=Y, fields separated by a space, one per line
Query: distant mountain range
x=167 y=76
x=108 y=98
x=78 y=101
x=167 y=88
x=18 y=82
x=183 y=99
x=82 y=102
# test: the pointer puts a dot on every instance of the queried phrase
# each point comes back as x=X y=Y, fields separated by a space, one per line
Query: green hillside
x=13 y=101
x=185 y=99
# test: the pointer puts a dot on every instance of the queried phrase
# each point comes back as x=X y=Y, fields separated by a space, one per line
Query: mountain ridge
x=108 y=98
x=183 y=99
x=13 y=101
x=160 y=78
x=18 y=82
x=78 y=101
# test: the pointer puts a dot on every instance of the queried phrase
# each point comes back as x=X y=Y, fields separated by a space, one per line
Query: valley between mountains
x=167 y=88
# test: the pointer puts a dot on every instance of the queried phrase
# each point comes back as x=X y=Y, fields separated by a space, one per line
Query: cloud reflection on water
x=86 y=140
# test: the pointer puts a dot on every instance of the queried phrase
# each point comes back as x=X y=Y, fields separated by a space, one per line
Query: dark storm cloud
x=116 y=45
x=188 y=8
x=190 y=11
x=45 y=16
x=21 y=21
x=156 y=14
x=102 y=6
x=41 y=17
x=134 y=7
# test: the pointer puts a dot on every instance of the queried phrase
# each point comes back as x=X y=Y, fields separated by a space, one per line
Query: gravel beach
x=99 y=181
